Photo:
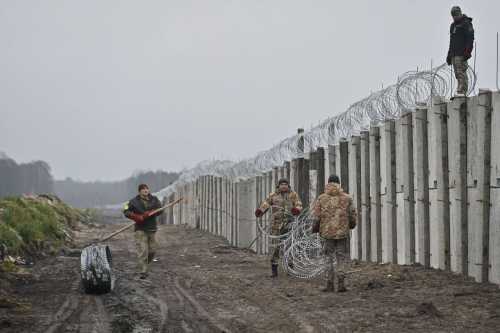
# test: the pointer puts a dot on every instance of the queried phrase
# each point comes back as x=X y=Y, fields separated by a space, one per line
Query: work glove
x=147 y=214
x=258 y=213
x=448 y=60
x=295 y=211
x=137 y=218
x=468 y=53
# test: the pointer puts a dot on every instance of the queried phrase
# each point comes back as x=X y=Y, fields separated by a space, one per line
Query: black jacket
x=461 y=37
x=139 y=206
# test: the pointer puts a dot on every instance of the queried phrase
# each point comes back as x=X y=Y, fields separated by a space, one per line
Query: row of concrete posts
x=426 y=186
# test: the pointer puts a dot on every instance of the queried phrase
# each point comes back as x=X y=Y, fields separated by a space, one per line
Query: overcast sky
x=101 y=88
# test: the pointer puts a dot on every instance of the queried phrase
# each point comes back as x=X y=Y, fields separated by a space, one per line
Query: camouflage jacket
x=334 y=209
x=281 y=205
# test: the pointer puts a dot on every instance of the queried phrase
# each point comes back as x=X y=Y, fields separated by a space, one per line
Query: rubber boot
x=329 y=287
x=274 y=270
x=341 y=286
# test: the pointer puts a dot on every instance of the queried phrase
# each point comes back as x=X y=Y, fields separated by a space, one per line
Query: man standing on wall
x=284 y=204
x=139 y=210
x=460 y=50
x=334 y=215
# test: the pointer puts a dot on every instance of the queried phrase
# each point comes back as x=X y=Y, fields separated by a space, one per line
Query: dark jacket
x=461 y=37
x=140 y=206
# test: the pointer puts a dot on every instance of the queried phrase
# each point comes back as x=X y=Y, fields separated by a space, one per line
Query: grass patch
x=28 y=225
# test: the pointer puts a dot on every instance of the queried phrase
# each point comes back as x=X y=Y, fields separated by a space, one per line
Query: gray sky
x=101 y=88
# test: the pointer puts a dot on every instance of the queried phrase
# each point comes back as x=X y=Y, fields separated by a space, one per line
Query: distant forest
x=94 y=194
x=36 y=178
x=15 y=179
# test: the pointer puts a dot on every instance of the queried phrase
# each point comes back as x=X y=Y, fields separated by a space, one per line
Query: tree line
x=99 y=193
x=24 y=178
x=36 y=178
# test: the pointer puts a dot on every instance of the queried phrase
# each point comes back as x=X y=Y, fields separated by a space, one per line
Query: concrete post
x=294 y=179
x=268 y=219
x=276 y=176
x=224 y=208
x=457 y=152
x=421 y=181
x=263 y=195
x=211 y=227
x=320 y=156
x=236 y=205
x=375 y=209
x=494 y=253
x=216 y=206
x=355 y=191
x=281 y=172
x=439 y=197
x=330 y=163
x=258 y=198
x=342 y=163
x=207 y=203
x=286 y=168
x=313 y=176
x=219 y=206
x=388 y=191
x=478 y=184
x=405 y=190
x=365 y=196
x=303 y=180
x=246 y=218
x=198 y=204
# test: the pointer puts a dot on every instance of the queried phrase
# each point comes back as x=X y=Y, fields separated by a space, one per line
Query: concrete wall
x=426 y=186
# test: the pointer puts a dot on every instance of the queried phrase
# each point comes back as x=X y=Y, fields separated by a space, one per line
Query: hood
x=466 y=18
x=333 y=189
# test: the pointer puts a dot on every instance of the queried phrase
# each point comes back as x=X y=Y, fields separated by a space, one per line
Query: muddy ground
x=201 y=284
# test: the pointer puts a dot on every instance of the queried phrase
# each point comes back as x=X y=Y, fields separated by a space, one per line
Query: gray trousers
x=460 y=67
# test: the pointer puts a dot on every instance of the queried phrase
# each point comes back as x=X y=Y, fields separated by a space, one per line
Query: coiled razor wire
x=300 y=247
x=412 y=89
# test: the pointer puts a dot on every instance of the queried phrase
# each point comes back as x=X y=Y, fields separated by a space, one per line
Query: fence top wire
x=413 y=88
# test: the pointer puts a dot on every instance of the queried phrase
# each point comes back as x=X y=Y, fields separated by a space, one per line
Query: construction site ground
x=202 y=284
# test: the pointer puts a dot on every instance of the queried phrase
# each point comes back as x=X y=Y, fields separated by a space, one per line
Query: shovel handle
x=132 y=224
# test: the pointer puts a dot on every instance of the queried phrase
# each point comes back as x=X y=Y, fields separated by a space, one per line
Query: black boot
x=274 y=270
x=341 y=286
x=329 y=287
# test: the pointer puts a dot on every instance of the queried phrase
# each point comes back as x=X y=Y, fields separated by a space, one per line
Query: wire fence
x=412 y=89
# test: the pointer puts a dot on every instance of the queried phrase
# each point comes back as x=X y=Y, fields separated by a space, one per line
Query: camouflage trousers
x=277 y=229
x=335 y=251
x=146 y=246
x=460 y=67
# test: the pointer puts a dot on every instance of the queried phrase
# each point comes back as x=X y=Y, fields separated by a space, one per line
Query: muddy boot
x=274 y=270
x=341 y=286
x=329 y=287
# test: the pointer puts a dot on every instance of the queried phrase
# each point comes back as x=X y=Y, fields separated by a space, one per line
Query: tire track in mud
x=173 y=310
x=79 y=313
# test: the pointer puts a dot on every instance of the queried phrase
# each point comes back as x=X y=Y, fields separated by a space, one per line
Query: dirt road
x=201 y=284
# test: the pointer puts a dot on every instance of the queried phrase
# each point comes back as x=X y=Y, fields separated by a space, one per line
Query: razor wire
x=302 y=250
x=412 y=89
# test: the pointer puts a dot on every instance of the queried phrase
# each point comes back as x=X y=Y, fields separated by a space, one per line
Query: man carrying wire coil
x=334 y=215
x=284 y=204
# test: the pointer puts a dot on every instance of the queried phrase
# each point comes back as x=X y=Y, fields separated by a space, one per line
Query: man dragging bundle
x=139 y=209
x=334 y=215
x=284 y=204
